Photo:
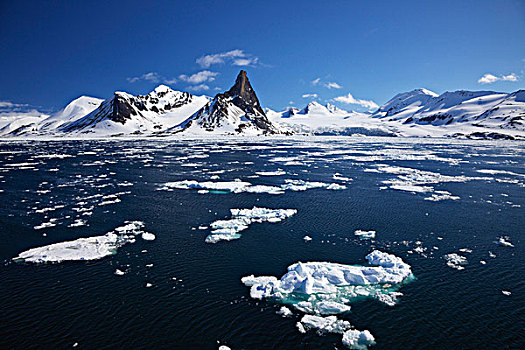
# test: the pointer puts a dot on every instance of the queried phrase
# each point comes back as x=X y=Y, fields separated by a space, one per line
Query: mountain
x=236 y=111
x=127 y=114
x=166 y=112
x=318 y=119
x=474 y=114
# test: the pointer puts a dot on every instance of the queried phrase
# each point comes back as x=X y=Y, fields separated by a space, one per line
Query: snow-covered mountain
x=127 y=114
x=460 y=113
x=236 y=111
x=328 y=119
x=164 y=112
x=122 y=114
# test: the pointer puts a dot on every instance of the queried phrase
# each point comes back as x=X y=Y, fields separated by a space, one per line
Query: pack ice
x=90 y=248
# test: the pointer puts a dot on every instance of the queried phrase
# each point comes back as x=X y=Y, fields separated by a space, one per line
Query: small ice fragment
x=483 y=262
x=506 y=292
x=329 y=324
x=492 y=255
x=149 y=265
x=284 y=311
x=148 y=285
x=307 y=238
x=455 y=261
x=119 y=272
x=148 y=236
x=224 y=347
x=300 y=327
x=365 y=234
x=335 y=186
x=356 y=339
x=503 y=241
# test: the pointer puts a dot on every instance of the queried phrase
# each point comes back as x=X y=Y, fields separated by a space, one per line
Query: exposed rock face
x=237 y=110
x=243 y=96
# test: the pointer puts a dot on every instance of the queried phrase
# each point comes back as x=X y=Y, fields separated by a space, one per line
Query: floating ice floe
x=359 y=340
x=77 y=223
x=503 y=241
x=90 y=248
x=271 y=173
x=310 y=286
x=441 y=195
x=50 y=223
x=239 y=186
x=352 y=338
x=415 y=180
x=365 y=234
x=455 y=261
x=284 y=311
x=227 y=230
x=334 y=186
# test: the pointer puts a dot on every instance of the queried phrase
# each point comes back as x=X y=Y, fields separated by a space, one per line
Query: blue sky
x=54 y=51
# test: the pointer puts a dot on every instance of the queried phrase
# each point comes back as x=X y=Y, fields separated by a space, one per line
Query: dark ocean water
x=50 y=306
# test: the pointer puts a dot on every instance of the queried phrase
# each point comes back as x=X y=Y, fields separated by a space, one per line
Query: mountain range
x=166 y=112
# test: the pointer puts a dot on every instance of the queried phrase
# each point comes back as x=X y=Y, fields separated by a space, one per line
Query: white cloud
x=328 y=85
x=510 y=77
x=310 y=96
x=12 y=105
x=235 y=57
x=200 y=77
x=332 y=85
x=151 y=76
x=245 y=61
x=491 y=78
x=200 y=87
x=349 y=99
x=6 y=104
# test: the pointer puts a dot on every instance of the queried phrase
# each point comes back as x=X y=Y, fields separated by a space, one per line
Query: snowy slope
x=49 y=123
x=458 y=113
x=327 y=120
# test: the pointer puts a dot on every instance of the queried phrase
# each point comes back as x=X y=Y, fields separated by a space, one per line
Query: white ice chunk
x=455 y=261
x=503 y=241
x=365 y=234
x=148 y=236
x=329 y=324
x=359 y=340
x=227 y=230
x=284 y=312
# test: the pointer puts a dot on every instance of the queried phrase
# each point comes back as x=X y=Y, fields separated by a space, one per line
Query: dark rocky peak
x=243 y=95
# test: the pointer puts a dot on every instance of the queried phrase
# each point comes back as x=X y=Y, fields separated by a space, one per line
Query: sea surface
x=196 y=299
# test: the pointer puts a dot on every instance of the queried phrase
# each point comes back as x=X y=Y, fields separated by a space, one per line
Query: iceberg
x=227 y=230
x=322 y=287
x=81 y=249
